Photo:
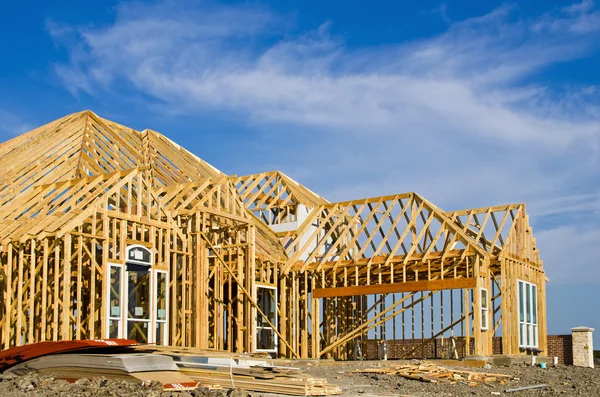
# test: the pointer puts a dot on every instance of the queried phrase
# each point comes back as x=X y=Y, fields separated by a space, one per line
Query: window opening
x=115 y=302
x=528 y=326
x=162 y=296
x=138 y=302
x=484 y=309
x=138 y=299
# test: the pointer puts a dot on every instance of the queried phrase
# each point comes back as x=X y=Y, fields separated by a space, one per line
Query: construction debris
x=433 y=373
x=176 y=368
x=19 y=354
x=110 y=359
x=526 y=388
x=137 y=368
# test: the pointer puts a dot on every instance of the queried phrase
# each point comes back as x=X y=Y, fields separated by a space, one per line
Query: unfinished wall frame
x=76 y=193
x=397 y=267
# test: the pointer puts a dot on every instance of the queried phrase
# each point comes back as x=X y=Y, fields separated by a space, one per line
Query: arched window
x=138 y=298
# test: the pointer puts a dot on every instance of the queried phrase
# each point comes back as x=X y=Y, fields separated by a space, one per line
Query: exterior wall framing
x=398 y=265
x=383 y=268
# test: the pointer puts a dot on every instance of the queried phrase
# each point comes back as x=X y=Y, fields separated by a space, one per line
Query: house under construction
x=106 y=231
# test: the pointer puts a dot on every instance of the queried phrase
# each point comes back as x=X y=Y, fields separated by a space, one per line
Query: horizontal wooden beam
x=214 y=211
x=411 y=286
x=435 y=257
x=368 y=200
x=483 y=210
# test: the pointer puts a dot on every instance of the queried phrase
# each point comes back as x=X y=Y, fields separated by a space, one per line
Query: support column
x=542 y=321
x=201 y=291
x=482 y=333
x=583 y=349
x=316 y=338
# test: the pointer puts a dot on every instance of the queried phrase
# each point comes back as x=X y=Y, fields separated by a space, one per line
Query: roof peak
x=83 y=144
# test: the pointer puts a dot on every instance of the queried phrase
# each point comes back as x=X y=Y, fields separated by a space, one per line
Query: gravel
x=561 y=381
x=46 y=386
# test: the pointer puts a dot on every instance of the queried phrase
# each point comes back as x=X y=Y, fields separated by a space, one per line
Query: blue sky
x=469 y=103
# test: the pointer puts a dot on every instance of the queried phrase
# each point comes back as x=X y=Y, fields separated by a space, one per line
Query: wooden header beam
x=411 y=286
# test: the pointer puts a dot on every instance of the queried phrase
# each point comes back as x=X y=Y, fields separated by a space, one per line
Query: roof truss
x=399 y=226
x=274 y=197
x=82 y=161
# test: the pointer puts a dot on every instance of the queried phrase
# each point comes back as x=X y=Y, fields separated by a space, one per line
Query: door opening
x=266 y=338
x=138 y=303
x=138 y=299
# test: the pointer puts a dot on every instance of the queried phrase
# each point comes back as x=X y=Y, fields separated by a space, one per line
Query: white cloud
x=571 y=253
x=11 y=125
x=460 y=117
x=561 y=205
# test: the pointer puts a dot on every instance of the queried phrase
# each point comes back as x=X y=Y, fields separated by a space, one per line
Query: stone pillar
x=583 y=350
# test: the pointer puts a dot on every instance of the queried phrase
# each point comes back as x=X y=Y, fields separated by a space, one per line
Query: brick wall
x=395 y=349
x=497 y=345
x=558 y=346
x=561 y=346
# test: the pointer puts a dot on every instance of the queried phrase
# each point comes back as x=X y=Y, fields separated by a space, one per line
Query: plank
x=411 y=286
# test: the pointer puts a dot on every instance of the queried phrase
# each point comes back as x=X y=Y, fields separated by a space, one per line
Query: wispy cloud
x=461 y=117
x=12 y=125
x=571 y=253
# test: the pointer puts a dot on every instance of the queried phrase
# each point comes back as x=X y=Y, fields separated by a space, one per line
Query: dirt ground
x=561 y=381
x=45 y=386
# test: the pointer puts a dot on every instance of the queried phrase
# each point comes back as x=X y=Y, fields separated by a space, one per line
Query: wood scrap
x=433 y=373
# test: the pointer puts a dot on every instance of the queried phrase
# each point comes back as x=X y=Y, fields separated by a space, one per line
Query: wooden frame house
x=106 y=231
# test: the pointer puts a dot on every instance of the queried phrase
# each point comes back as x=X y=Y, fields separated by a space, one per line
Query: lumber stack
x=297 y=384
x=176 y=368
x=221 y=369
x=433 y=373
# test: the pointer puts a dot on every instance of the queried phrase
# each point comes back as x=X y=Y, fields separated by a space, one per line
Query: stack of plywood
x=176 y=368
x=138 y=368
x=107 y=358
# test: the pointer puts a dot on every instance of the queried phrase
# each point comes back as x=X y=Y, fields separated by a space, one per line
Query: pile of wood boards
x=433 y=373
x=224 y=370
x=176 y=368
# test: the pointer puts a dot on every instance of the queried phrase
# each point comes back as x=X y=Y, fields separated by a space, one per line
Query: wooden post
x=316 y=339
x=65 y=333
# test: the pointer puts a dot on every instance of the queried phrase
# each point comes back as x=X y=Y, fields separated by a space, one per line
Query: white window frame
x=483 y=304
x=528 y=317
x=123 y=317
x=109 y=315
x=154 y=304
x=126 y=317
x=138 y=262
x=256 y=328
